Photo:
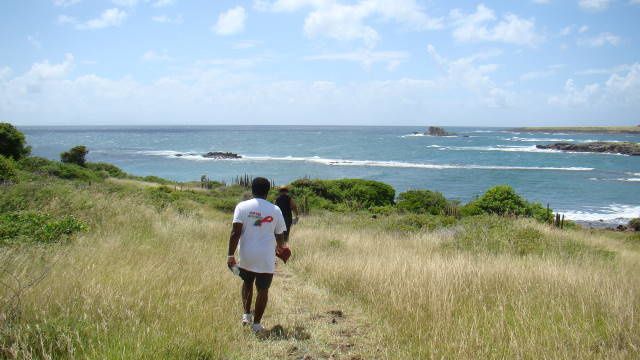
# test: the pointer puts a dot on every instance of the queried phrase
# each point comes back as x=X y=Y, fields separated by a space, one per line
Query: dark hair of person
x=260 y=187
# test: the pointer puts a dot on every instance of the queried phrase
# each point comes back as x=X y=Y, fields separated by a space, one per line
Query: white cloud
x=165 y=19
x=594 y=5
x=65 y=19
x=574 y=96
x=154 y=56
x=231 y=22
x=47 y=71
x=619 y=89
x=541 y=74
x=511 y=29
x=366 y=58
x=126 y=3
x=625 y=88
x=604 y=71
x=33 y=40
x=600 y=40
x=634 y=2
x=465 y=73
x=541 y=1
x=583 y=29
x=108 y=18
x=65 y=3
x=348 y=22
x=163 y=3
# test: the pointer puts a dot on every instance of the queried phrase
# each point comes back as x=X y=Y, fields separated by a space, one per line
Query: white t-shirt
x=260 y=220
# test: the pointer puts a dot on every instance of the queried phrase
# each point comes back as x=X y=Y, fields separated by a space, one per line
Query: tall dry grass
x=566 y=295
x=150 y=283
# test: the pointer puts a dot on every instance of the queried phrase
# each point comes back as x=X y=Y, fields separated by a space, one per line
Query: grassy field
x=585 y=129
x=148 y=280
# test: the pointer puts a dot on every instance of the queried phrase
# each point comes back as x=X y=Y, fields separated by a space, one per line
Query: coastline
x=582 y=129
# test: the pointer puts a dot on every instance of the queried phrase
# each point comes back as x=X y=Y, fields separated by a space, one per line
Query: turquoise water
x=584 y=186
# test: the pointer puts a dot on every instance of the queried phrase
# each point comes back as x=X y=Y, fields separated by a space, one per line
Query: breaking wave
x=364 y=163
x=614 y=213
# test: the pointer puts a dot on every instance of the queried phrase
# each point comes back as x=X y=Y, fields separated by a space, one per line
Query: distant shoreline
x=583 y=129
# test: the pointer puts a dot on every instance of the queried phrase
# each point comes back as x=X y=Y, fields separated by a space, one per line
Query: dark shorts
x=263 y=281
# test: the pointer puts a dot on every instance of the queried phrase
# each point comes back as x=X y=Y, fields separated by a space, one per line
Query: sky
x=320 y=62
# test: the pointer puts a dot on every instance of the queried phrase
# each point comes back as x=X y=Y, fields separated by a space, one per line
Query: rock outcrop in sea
x=216 y=155
x=437 y=131
x=626 y=148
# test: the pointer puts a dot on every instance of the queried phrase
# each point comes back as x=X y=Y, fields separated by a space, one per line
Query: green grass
x=147 y=279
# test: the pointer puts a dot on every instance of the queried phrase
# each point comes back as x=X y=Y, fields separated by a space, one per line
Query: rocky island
x=626 y=148
x=434 y=131
x=218 y=155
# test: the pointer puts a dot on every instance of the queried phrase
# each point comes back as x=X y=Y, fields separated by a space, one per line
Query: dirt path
x=307 y=322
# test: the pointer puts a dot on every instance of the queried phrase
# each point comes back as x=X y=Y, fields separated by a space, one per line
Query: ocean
x=584 y=186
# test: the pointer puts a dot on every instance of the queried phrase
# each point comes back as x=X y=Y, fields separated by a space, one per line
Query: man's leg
x=247 y=289
x=261 y=304
x=263 y=282
x=247 y=296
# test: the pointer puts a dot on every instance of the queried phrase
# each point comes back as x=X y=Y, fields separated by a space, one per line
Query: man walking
x=288 y=208
x=258 y=227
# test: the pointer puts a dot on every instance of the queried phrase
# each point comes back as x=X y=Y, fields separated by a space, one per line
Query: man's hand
x=231 y=261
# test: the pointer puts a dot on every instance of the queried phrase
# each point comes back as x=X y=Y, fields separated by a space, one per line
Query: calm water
x=585 y=186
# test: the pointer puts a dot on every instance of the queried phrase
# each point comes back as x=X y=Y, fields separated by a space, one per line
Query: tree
x=502 y=200
x=12 y=142
x=76 y=155
x=422 y=201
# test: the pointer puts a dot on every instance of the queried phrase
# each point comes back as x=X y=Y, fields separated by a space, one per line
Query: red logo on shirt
x=267 y=219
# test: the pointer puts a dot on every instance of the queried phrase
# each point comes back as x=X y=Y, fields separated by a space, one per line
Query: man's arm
x=280 y=240
x=234 y=239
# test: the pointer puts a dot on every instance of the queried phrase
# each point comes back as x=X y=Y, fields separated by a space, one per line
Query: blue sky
x=333 y=62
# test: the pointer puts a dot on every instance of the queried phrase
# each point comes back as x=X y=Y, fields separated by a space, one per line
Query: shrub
x=635 y=224
x=76 y=155
x=157 y=180
x=12 y=142
x=344 y=193
x=422 y=201
x=35 y=164
x=502 y=200
x=27 y=227
x=7 y=169
x=110 y=169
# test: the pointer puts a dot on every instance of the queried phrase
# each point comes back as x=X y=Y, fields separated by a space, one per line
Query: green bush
x=76 y=155
x=471 y=209
x=157 y=180
x=422 y=202
x=343 y=193
x=35 y=164
x=109 y=169
x=12 y=142
x=33 y=227
x=7 y=169
x=502 y=200
x=634 y=224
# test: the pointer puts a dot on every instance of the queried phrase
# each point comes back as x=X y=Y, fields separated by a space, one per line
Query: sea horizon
x=586 y=187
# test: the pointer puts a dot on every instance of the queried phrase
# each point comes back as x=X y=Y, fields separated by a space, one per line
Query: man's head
x=284 y=190
x=260 y=187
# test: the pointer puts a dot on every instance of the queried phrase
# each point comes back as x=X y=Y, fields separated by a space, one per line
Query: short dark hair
x=260 y=187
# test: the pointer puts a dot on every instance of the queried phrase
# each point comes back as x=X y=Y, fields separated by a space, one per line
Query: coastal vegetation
x=584 y=129
x=97 y=263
